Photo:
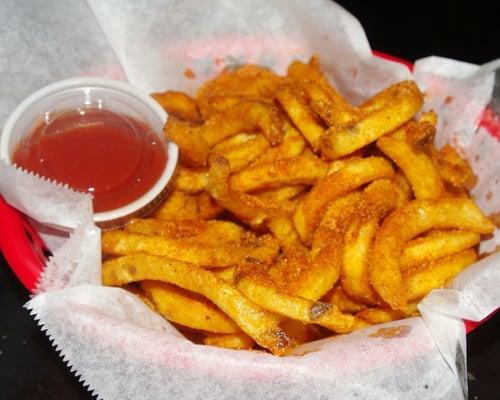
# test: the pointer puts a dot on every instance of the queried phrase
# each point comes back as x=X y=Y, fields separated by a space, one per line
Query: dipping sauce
x=112 y=156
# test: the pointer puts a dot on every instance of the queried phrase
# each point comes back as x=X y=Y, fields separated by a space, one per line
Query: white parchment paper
x=122 y=350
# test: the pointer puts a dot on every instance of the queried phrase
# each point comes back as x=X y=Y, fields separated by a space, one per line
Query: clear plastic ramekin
x=99 y=93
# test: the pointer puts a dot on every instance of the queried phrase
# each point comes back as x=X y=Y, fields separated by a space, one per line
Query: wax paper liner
x=118 y=347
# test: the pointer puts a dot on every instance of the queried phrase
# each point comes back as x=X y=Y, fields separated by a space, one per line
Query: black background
x=468 y=31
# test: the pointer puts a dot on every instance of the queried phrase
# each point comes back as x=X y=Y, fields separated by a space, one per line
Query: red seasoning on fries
x=296 y=215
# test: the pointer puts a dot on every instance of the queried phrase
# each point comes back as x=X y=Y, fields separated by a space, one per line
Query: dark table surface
x=469 y=31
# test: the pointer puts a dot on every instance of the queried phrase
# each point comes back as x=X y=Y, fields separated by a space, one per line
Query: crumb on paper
x=489 y=195
x=353 y=71
x=218 y=61
x=448 y=99
x=391 y=332
x=189 y=73
x=477 y=157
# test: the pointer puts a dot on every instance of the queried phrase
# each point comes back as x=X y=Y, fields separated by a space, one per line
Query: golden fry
x=344 y=303
x=193 y=148
x=247 y=80
x=245 y=116
x=392 y=108
x=356 y=173
x=436 y=245
x=240 y=150
x=264 y=249
x=408 y=222
x=262 y=291
x=301 y=115
x=178 y=105
x=234 y=341
x=190 y=180
x=187 y=308
x=417 y=166
x=275 y=174
x=434 y=275
x=259 y=324
x=208 y=233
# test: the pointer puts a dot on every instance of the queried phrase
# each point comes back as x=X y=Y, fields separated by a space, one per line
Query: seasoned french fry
x=193 y=147
x=178 y=205
x=417 y=166
x=380 y=315
x=436 y=245
x=247 y=80
x=259 y=324
x=261 y=290
x=234 y=341
x=293 y=145
x=187 y=308
x=344 y=303
x=291 y=171
x=209 y=233
x=265 y=249
x=189 y=180
x=240 y=150
x=433 y=275
x=303 y=118
x=405 y=224
x=356 y=173
x=389 y=109
x=179 y=105
x=245 y=116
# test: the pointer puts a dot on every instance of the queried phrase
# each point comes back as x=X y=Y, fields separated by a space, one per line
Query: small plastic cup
x=99 y=93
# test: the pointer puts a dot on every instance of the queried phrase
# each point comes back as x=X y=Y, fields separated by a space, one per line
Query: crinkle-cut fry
x=291 y=171
x=193 y=148
x=210 y=233
x=407 y=223
x=377 y=200
x=234 y=341
x=264 y=249
x=209 y=106
x=453 y=169
x=421 y=280
x=398 y=104
x=177 y=205
x=344 y=303
x=247 y=80
x=356 y=173
x=179 y=105
x=259 y=324
x=436 y=245
x=245 y=116
x=248 y=208
x=187 y=308
x=239 y=155
x=380 y=315
x=304 y=119
x=260 y=289
x=417 y=166
x=189 y=180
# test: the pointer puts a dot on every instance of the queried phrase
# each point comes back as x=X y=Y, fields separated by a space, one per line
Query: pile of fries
x=295 y=215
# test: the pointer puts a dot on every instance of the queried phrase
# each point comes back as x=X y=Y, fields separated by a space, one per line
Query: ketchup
x=112 y=156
